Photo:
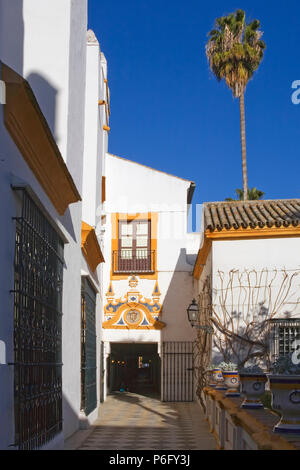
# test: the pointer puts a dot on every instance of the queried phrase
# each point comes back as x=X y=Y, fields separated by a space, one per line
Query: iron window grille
x=142 y=262
x=38 y=268
x=285 y=332
x=88 y=348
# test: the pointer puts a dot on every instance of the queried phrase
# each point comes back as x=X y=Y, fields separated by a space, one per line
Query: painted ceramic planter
x=253 y=386
x=218 y=379
x=286 y=399
x=211 y=381
x=232 y=382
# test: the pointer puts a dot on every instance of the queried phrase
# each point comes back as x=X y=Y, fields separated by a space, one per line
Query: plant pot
x=232 y=382
x=286 y=399
x=253 y=386
x=211 y=382
x=218 y=379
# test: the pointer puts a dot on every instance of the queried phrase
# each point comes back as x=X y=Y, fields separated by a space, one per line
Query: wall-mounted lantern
x=193 y=313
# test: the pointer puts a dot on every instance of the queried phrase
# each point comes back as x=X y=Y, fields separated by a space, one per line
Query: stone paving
x=135 y=422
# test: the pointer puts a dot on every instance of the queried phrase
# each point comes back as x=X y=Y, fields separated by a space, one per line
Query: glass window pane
x=141 y=253
x=126 y=229
x=126 y=241
x=126 y=254
x=141 y=241
x=142 y=228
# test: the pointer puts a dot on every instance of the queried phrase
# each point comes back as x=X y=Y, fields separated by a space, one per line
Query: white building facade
x=148 y=281
x=247 y=274
x=52 y=76
x=97 y=112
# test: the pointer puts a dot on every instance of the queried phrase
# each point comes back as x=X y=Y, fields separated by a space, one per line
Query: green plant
x=254 y=194
x=228 y=366
x=266 y=400
x=285 y=365
x=251 y=369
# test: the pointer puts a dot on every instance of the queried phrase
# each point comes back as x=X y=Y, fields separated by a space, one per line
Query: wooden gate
x=177 y=373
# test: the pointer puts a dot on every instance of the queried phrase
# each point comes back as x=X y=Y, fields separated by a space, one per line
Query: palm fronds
x=254 y=194
x=235 y=50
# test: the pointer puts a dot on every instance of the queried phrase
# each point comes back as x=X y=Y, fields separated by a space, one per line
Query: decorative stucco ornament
x=133 y=310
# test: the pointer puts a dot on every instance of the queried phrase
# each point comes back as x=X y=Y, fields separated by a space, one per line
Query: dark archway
x=134 y=367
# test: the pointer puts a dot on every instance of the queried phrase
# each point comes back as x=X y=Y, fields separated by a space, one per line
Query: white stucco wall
x=134 y=188
x=95 y=118
x=268 y=252
x=45 y=42
x=95 y=147
x=258 y=255
x=12 y=34
x=144 y=189
x=267 y=260
x=46 y=61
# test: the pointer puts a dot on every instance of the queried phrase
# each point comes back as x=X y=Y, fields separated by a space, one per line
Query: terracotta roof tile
x=244 y=214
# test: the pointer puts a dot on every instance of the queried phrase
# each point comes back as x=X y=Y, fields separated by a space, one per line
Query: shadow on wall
x=46 y=95
x=179 y=295
x=12 y=34
x=71 y=420
x=11 y=52
x=226 y=349
x=12 y=164
x=57 y=439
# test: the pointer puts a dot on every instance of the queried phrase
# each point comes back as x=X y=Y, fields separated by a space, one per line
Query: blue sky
x=169 y=112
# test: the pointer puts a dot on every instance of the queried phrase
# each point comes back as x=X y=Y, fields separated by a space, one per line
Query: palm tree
x=253 y=195
x=235 y=51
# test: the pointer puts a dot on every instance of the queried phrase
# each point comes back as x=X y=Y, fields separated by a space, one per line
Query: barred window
x=285 y=334
x=88 y=348
x=37 y=328
x=134 y=254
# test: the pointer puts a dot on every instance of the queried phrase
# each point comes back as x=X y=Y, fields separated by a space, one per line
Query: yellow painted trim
x=214 y=433
x=152 y=303
x=158 y=293
x=154 y=324
x=251 y=379
x=103 y=189
x=115 y=218
x=107 y=105
x=287 y=421
x=202 y=258
x=30 y=131
x=291 y=386
x=252 y=401
x=90 y=246
x=250 y=233
x=112 y=293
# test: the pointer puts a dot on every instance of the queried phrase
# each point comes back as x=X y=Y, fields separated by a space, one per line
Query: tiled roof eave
x=254 y=215
x=264 y=232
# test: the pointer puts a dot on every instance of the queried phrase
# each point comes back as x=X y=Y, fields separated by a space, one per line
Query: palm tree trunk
x=243 y=142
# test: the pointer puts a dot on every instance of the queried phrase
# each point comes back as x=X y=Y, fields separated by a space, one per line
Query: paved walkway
x=135 y=422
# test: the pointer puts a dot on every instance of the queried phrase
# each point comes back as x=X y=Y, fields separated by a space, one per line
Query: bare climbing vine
x=240 y=309
x=203 y=344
